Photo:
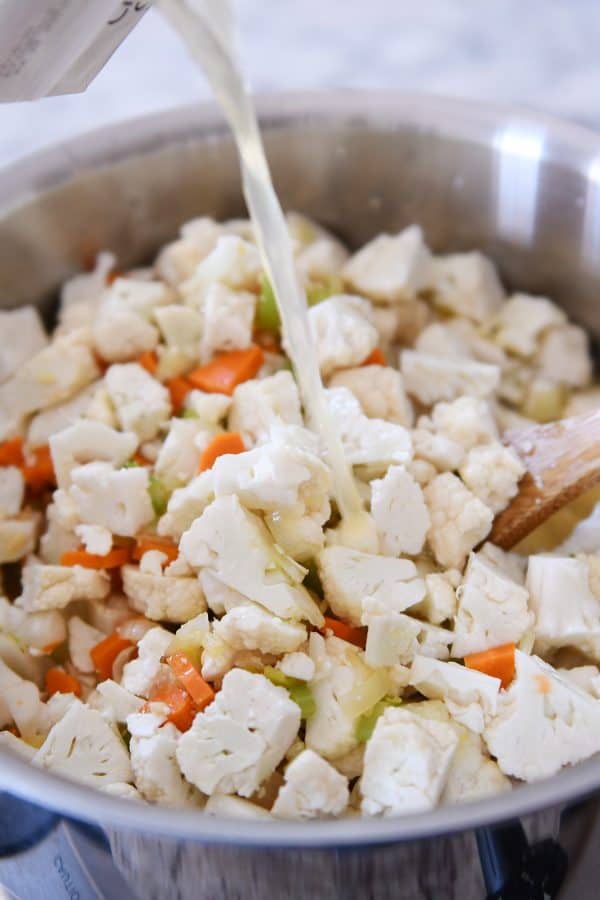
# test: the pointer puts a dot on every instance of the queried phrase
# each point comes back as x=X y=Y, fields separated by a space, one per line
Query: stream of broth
x=206 y=29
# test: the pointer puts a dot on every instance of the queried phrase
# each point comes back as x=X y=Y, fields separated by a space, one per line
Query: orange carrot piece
x=104 y=654
x=148 y=361
x=116 y=557
x=102 y=364
x=375 y=358
x=11 y=452
x=179 y=388
x=499 y=662
x=181 y=705
x=39 y=474
x=227 y=370
x=222 y=444
x=50 y=648
x=140 y=459
x=60 y=682
x=350 y=633
x=188 y=675
x=146 y=542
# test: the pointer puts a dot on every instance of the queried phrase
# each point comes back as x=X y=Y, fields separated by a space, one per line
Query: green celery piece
x=298 y=690
x=159 y=495
x=365 y=724
x=316 y=293
x=189 y=414
x=267 y=314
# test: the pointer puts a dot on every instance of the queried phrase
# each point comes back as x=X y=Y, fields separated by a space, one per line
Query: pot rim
x=573 y=146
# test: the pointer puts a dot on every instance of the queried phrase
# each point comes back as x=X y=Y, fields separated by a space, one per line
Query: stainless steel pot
x=522 y=187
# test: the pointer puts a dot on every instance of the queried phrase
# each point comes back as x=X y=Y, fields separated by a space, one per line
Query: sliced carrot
x=181 y=705
x=188 y=675
x=104 y=654
x=499 y=662
x=375 y=358
x=227 y=370
x=222 y=444
x=116 y=557
x=349 y=633
x=179 y=388
x=60 y=682
x=146 y=542
x=148 y=361
x=39 y=474
x=11 y=452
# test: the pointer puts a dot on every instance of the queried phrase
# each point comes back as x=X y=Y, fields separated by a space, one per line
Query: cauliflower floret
x=233 y=262
x=564 y=356
x=23 y=336
x=231 y=807
x=141 y=295
x=187 y=504
x=492 y=609
x=12 y=491
x=113 y=702
x=438 y=450
x=100 y=409
x=466 y=284
x=439 y=602
x=585 y=677
x=392 y=638
x=459 y=520
x=53 y=375
x=313 y=788
x=407 y=761
x=9 y=741
x=391 y=268
x=297 y=665
x=522 y=319
x=259 y=405
x=321 y=262
x=85 y=747
x=95 y=538
x=567 y=612
x=177 y=461
x=20 y=704
x=56 y=418
x=228 y=317
x=239 y=740
x=493 y=472
x=249 y=627
x=54 y=587
x=541 y=711
x=181 y=328
x=400 y=513
x=379 y=390
x=82 y=637
x=210 y=409
x=367 y=442
x=470 y=696
x=217 y=657
x=220 y=597
x=155 y=771
x=116 y=499
x=342 y=332
x=141 y=402
x=85 y=442
x=431 y=378
x=348 y=576
x=177 y=261
x=140 y=674
x=438 y=339
x=18 y=537
x=121 y=333
x=472 y=774
x=226 y=533
x=163 y=598
x=468 y=421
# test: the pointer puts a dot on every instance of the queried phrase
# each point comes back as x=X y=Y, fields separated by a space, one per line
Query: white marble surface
x=540 y=53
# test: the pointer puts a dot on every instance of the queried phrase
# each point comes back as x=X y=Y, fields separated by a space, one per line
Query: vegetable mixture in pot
x=183 y=619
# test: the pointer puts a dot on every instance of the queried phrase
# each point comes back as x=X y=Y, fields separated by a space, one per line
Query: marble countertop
x=541 y=54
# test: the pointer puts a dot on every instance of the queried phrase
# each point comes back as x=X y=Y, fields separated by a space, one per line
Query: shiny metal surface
x=524 y=188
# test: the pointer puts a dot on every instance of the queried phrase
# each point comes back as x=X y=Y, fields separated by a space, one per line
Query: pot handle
x=44 y=856
x=515 y=870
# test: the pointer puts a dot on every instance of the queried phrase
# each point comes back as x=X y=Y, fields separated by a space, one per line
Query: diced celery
x=299 y=691
x=189 y=414
x=267 y=314
x=316 y=293
x=159 y=495
x=366 y=723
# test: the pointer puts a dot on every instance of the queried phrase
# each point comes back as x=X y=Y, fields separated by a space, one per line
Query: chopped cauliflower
x=113 y=702
x=400 y=513
x=249 y=627
x=140 y=674
x=18 y=537
x=121 y=334
x=156 y=773
x=492 y=609
x=259 y=405
x=438 y=450
x=440 y=601
x=313 y=788
x=585 y=677
x=466 y=284
x=82 y=637
x=163 y=598
x=348 y=576
x=177 y=261
x=406 y=764
x=473 y=775
x=231 y=807
x=470 y=696
x=233 y=262
x=56 y=418
x=116 y=499
x=564 y=356
x=54 y=587
x=391 y=268
x=493 y=472
x=379 y=390
x=239 y=740
x=459 y=520
x=177 y=461
x=181 y=328
x=468 y=421
x=392 y=638
x=85 y=442
x=187 y=504
x=522 y=320
x=210 y=409
x=342 y=331
x=141 y=402
x=431 y=378
x=12 y=491
x=438 y=339
x=542 y=711
x=297 y=665
x=367 y=442
x=23 y=336
x=95 y=538
x=227 y=317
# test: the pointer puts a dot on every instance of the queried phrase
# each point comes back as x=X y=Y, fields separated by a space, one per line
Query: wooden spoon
x=562 y=460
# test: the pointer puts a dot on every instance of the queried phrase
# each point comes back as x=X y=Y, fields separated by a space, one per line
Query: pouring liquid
x=206 y=30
